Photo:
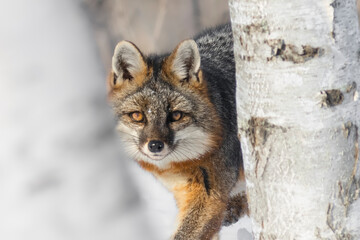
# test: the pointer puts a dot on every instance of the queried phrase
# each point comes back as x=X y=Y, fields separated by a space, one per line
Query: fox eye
x=137 y=116
x=176 y=116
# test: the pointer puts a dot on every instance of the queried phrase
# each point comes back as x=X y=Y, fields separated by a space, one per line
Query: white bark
x=61 y=174
x=298 y=75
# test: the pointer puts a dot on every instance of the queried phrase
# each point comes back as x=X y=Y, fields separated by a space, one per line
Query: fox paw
x=236 y=208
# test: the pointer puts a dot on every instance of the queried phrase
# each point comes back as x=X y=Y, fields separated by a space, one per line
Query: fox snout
x=155 y=146
x=155 y=149
x=156 y=137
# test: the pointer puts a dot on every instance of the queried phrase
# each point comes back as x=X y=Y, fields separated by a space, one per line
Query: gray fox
x=177 y=118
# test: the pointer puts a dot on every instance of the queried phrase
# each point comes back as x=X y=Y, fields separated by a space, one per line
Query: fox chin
x=176 y=115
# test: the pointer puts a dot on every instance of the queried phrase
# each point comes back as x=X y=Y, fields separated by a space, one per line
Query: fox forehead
x=155 y=97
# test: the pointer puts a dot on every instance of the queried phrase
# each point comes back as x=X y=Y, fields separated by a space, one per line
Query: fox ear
x=184 y=61
x=127 y=63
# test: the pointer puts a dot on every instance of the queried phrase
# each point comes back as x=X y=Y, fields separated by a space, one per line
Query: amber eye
x=176 y=116
x=137 y=116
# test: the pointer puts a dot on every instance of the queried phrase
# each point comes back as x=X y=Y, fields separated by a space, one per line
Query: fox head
x=162 y=103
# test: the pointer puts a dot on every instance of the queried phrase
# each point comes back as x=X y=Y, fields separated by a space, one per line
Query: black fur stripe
x=206 y=180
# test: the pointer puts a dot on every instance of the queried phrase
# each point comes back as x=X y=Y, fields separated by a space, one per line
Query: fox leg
x=201 y=212
x=216 y=237
x=236 y=208
x=202 y=203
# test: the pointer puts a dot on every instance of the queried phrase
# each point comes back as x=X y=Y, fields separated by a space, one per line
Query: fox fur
x=177 y=117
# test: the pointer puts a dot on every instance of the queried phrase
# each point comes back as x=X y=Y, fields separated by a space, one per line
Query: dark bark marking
x=346 y=127
x=252 y=30
x=246 y=58
x=258 y=131
x=351 y=87
x=258 y=27
x=291 y=53
x=335 y=4
x=332 y=97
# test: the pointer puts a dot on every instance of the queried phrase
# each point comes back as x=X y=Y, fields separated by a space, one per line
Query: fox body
x=177 y=118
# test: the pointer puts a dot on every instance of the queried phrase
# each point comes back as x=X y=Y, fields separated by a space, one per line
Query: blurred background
x=155 y=26
x=63 y=173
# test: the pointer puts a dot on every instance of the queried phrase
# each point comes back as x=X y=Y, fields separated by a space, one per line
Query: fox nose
x=155 y=146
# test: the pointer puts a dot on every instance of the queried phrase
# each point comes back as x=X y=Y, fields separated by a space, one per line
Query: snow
x=63 y=174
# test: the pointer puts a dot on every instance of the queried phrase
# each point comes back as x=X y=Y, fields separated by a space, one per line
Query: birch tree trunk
x=298 y=75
